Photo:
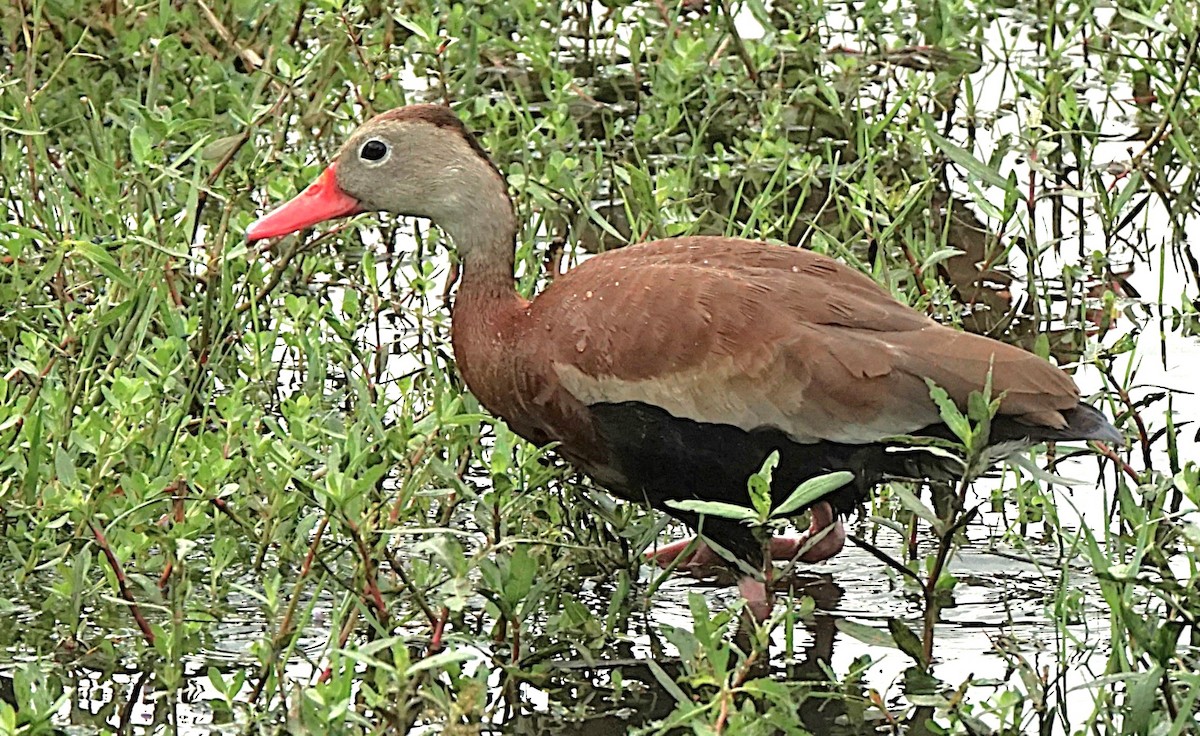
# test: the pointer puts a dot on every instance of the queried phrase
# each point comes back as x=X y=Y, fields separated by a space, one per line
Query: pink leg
x=699 y=559
x=759 y=600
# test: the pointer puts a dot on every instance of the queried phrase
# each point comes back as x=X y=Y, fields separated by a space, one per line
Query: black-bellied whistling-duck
x=672 y=369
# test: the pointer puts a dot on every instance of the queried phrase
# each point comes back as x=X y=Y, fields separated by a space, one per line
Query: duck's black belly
x=655 y=457
x=663 y=458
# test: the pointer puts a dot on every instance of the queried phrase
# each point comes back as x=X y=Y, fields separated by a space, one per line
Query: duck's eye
x=374 y=151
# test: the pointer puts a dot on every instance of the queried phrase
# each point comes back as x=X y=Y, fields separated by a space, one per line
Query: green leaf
x=946 y=582
x=715 y=508
x=8 y=718
x=907 y=640
x=605 y=225
x=909 y=501
x=139 y=144
x=812 y=490
x=866 y=634
x=64 y=466
x=428 y=35
x=964 y=158
x=1143 y=19
x=668 y=684
x=759 y=486
x=441 y=660
x=939 y=255
x=521 y=569
x=218 y=149
x=920 y=685
x=1141 y=701
x=953 y=418
x=217 y=682
x=104 y=261
x=978 y=408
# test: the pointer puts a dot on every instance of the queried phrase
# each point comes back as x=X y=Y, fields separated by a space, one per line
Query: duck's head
x=417 y=160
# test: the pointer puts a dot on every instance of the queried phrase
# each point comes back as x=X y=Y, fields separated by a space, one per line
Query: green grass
x=255 y=479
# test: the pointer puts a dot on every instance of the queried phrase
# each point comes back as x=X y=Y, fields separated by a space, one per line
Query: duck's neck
x=489 y=314
x=483 y=226
x=484 y=233
x=486 y=306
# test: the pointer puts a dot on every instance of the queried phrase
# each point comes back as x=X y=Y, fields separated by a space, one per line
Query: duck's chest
x=514 y=379
x=498 y=373
x=507 y=357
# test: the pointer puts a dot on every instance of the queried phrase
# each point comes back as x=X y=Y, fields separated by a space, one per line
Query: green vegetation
x=249 y=490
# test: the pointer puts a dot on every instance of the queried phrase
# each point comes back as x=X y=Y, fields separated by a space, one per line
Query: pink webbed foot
x=702 y=557
x=824 y=538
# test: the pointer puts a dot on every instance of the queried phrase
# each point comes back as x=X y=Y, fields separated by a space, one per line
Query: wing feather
x=754 y=335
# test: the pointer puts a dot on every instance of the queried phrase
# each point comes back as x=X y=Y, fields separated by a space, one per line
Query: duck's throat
x=488 y=328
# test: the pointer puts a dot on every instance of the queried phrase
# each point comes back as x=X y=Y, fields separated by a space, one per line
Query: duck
x=669 y=371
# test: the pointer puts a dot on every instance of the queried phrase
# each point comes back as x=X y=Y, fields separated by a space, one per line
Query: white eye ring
x=373 y=157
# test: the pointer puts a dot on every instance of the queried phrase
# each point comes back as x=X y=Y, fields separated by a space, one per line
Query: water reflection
x=601 y=711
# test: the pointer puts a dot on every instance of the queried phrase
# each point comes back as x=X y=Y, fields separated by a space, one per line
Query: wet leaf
x=910 y=501
x=813 y=490
x=715 y=508
x=866 y=634
x=907 y=640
